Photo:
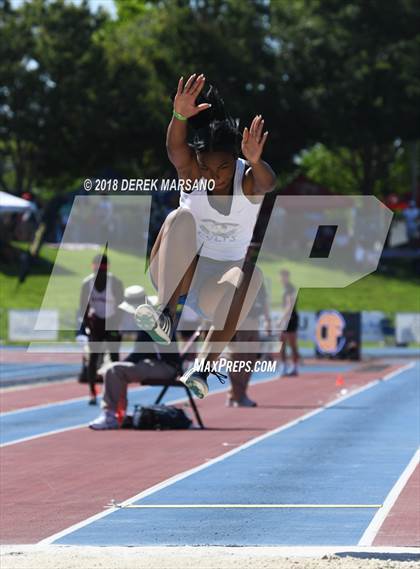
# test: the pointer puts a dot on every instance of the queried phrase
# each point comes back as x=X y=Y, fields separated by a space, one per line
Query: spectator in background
x=290 y=319
x=99 y=316
x=159 y=364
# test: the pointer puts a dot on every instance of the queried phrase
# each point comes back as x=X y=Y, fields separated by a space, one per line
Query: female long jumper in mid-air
x=201 y=247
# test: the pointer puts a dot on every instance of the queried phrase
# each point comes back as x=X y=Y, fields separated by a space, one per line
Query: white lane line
x=135 y=389
x=58 y=403
x=26 y=386
x=392 y=374
x=81 y=425
x=373 y=528
x=58 y=431
x=116 y=506
x=43 y=406
x=75 y=399
x=41 y=435
x=220 y=458
x=213 y=392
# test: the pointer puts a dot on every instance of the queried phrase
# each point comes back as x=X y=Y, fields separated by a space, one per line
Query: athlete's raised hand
x=184 y=102
x=253 y=140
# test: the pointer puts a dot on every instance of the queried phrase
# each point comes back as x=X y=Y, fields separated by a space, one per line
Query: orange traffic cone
x=339 y=382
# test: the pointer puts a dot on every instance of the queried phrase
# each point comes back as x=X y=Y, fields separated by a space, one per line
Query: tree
x=225 y=39
x=356 y=64
x=52 y=112
x=342 y=171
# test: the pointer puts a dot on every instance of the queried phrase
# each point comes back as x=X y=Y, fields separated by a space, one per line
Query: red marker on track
x=339 y=382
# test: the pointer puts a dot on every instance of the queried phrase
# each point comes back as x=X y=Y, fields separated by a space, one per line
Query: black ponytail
x=213 y=130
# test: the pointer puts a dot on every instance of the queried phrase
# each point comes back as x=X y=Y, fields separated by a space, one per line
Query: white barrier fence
x=407 y=325
x=22 y=325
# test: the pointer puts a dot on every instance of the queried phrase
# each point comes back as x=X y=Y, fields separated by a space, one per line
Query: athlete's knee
x=243 y=276
x=233 y=276
x=182 y=218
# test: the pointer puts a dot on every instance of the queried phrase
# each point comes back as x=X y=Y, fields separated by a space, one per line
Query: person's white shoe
x=106 y=421
x=157 y=325
x=196 y=380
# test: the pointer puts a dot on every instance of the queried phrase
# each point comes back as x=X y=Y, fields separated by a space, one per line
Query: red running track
x=402 y=526
x=52 y=392
x=50 y=483
x=25 y=357
x=12 y=399
x=20 y=397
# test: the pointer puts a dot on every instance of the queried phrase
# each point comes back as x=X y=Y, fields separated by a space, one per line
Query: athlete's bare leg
x=174 y=257
x=240 y=379
x=283 y=349
x=289 y=338
x=294 y=348
x=228 y=311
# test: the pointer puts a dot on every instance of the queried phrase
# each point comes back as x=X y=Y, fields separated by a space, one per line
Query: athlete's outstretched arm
x=179 y=153
x=260 y=178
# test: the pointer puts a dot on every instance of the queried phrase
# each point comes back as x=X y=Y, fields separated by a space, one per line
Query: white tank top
x=223 y=237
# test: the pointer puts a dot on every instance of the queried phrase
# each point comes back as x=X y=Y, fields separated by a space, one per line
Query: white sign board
x=407 y=326
x=306 y=330
x=372 y=326
x=22 y=325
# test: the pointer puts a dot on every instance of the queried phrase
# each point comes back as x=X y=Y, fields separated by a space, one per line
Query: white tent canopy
x=12 y=204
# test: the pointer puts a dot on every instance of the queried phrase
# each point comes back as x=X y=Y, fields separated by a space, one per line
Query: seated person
x=136 y=368
x=161 y=364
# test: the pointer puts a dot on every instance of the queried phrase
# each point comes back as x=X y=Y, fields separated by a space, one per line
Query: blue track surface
x=14 y=373
x=17 y=425
x=353 y=452
x=28 y=423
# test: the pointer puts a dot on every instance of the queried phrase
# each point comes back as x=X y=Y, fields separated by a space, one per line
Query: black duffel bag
x=159 y=417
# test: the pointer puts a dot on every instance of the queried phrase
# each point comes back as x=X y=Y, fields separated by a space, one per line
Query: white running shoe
x=157 y=324
x=106 y=421
x=196 y=381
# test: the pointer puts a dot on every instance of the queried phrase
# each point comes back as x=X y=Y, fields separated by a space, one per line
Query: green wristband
x=179 y=116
